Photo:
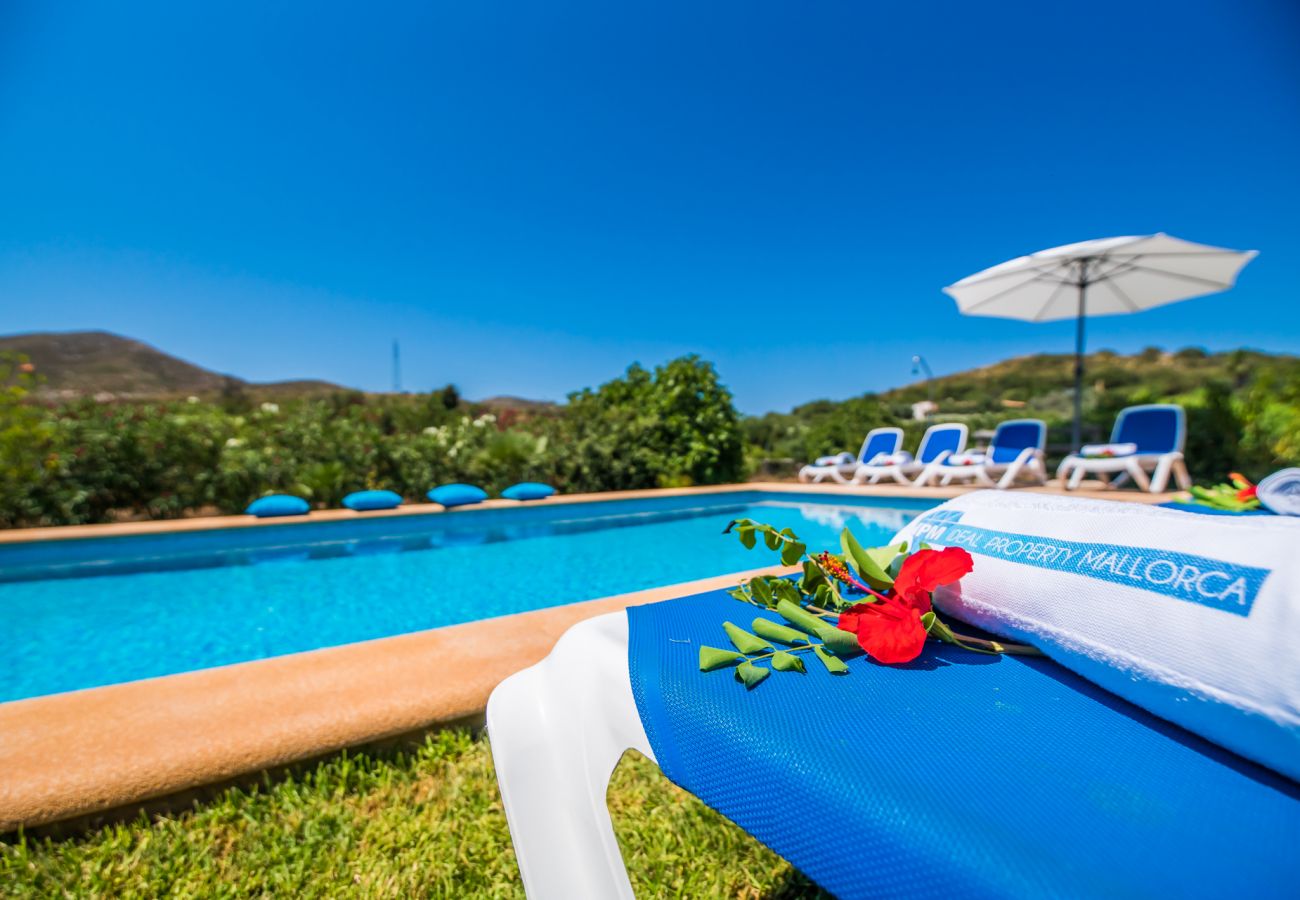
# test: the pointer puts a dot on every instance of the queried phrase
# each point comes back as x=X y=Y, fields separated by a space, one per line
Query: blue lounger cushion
x=457 y=494
x=363 y=501
x=958 y=774
x=1204 y=510
x=278 y=505
x=528 y=490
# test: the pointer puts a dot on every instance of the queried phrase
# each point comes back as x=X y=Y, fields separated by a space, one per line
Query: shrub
x=674 y=426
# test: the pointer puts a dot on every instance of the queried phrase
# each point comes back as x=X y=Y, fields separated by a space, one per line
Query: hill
x=79 y=363
x=89 y=363
x=1045 y=381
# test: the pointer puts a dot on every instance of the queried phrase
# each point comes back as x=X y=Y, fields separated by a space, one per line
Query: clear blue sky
x=532 y=195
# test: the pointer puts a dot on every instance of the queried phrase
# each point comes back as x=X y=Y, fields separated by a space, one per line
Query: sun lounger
x=1146 y=440
x=878 y=444
x=937 y=444
x=1017 y=448
x=955 y=775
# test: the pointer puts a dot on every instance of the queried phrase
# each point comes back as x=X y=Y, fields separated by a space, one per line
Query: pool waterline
x=84 y=613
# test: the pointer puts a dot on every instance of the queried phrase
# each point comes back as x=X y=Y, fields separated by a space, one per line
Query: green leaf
x=841 y=643
x=867 y=568
x=886 y=556
x=897 y=565
x=784 y=589
x=761 y=590
x=833 y=665
x=744 y=641
x=927 y=620
x=775 y=631
x=712 y=658
x=751 y=674
x=747 y=536
x=828 y=598
x=811 y=578
x=787 y=662
x=791 y=553
x=798 y=617
x=772 y=539
x=738 y=593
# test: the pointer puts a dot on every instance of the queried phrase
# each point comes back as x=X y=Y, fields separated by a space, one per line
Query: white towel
x=1092 y=451
x=839 y=459
x=965 y=459
x=1195 y=618
x=891 y=459
x=1280 y=492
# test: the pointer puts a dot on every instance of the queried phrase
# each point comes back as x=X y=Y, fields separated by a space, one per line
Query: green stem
x=999 y=647
x=797 y=648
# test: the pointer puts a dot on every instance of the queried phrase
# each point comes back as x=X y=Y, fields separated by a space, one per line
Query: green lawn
x=423 y=822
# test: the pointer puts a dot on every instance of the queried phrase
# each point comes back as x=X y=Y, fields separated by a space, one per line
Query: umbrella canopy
x=1105 y=277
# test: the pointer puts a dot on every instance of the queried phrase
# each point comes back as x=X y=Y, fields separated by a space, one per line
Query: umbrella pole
x=1076 y=436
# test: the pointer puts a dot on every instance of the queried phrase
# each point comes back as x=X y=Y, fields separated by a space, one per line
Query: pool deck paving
x=83 y=754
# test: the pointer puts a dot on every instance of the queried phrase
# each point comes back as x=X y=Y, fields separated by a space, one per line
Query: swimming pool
x=79 y=613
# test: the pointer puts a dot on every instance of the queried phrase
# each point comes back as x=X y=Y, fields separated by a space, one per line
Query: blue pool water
x=77 y=614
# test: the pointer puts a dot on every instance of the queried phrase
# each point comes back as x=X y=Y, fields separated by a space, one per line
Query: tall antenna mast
x=397 y=368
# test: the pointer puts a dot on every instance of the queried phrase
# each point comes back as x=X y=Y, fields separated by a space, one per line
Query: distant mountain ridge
x=89 y=363
x=77 y=363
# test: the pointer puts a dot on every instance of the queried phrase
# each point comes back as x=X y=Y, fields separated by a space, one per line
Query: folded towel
x=965 y=459
x=1280 y=492
x=890 y=459
x=1105 y=451
x=839 y=459
x=1192 y=617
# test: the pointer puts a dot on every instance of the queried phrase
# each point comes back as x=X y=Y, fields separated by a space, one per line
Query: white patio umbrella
x=1105 y=277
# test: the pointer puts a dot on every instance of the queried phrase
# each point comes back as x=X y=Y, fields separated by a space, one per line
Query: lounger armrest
x=558 y=729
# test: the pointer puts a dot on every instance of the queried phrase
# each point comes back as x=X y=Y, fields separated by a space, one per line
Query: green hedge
x=88 y=461
x=91 y=462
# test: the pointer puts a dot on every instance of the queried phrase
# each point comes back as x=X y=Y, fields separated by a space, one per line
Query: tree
x=674 y=426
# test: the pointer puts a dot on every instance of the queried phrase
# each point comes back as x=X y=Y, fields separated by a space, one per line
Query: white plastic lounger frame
x=1136 y=466
x=843 y=473
x=557 y=730
x=902 y=472
x=1030 y=461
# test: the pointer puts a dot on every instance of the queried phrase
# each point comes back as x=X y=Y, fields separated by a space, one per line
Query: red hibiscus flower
x=925 y=570
x=888 y=631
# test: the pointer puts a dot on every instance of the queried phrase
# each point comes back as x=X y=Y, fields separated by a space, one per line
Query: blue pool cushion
x=958 y=774
x=457 y=494
x=363 y=501
x=278 y=505
x=528 y=490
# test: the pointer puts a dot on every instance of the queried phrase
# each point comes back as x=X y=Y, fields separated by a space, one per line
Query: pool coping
x=75 y=755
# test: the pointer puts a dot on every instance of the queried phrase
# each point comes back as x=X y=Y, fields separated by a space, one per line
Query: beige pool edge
x=74 y=755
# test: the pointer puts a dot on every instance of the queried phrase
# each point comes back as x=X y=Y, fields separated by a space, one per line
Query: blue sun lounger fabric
x=958 y=775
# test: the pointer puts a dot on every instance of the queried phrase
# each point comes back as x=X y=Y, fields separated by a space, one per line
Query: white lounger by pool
x=1146 y=439
x=937 y=444
x=879 y=444
x=1017 y=448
